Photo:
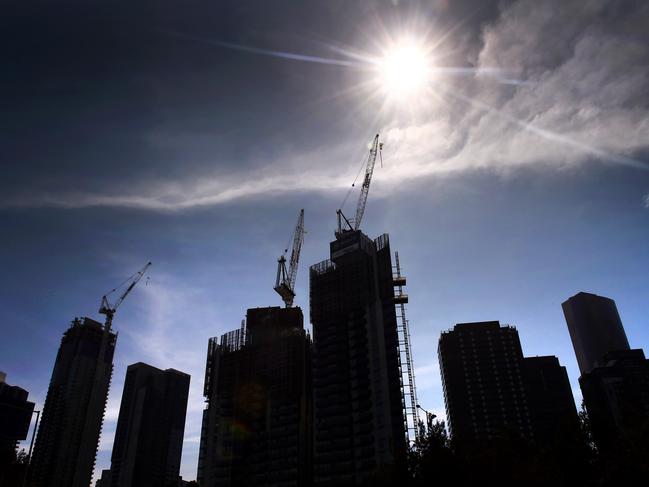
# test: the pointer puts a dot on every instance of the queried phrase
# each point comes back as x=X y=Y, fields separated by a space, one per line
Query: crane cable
x=124 y=282
x=360 y=169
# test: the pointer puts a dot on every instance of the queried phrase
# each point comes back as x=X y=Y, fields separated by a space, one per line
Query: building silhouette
x=15 y=417
x=595 y=328
x=550 y=400
x=105 y=479
x=149 y=437
x=257 y=427
x=359 y=410
x=491 y=391
x=484 y=384
x=68 y=435
x=616 y=394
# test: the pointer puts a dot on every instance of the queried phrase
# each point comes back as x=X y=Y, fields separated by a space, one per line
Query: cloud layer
x=573 y=89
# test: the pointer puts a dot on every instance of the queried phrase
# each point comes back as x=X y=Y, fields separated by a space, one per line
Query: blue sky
x=503 y=199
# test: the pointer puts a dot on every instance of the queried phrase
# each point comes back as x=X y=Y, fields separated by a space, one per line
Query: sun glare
x=404 y=70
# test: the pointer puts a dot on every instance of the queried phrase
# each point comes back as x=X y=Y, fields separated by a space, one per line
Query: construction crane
x=375 y=149
x=109 y=309
x=285 y=282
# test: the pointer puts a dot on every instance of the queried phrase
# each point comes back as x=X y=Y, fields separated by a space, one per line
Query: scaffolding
x=408 y=388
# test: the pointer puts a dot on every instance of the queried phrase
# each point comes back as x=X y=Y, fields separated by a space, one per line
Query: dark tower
x=359 y=410
x=149 y=436
x=257 y=426
x=484 y=386
x=614 y=379
x=68 y=435
x=550 y=400
x=595 y=328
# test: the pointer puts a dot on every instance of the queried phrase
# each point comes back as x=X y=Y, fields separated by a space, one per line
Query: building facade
x=616 y=394
x=595 y=328
x=68 y=435
x=257 y=427
x=550 y=400
x=359 y=411
x=15 y=417
x=483 y=381
x=148 y=441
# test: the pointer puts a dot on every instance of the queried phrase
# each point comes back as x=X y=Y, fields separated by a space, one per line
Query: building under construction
x=257 y=427
x=360 y=423
x=68 y=436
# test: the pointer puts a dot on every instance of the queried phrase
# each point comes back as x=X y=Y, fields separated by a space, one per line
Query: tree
x=430 y=458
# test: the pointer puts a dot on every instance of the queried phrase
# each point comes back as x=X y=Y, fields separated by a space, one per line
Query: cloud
x=646 y=200
x=575 y=92
x=584 y=96
x=428 y=377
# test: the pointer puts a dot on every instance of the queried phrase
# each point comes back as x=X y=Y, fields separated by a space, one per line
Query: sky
x=191 y=133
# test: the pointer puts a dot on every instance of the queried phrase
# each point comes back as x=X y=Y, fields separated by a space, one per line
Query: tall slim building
x=483 y=382
x=595 y=328
x=257 y=427
x=15 y=417
x=68 y=435
x=359 y=409
x=149 y=438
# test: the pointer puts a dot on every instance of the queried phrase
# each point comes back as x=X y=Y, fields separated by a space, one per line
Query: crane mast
x=285 y=281
x=109 y=309
x=355 y=224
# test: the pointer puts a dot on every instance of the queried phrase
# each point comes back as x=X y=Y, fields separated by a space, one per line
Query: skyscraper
x=483 y=381
x=257 y=427
x=15 y=416
x=595 y=328
x=68 y=435
x=359 y=410
x=149 y=436
x=614 y=379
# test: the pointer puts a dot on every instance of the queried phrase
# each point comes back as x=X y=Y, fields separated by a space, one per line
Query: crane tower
x=285 y=282
x=355 y=224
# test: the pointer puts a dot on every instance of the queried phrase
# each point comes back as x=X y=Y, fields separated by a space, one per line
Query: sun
x=404 y=70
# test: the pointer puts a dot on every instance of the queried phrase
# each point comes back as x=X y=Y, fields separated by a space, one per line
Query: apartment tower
x=68 y=435
x=359 y=431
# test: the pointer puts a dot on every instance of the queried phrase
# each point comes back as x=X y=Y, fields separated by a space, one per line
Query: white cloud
x=427 y=377
x=646 y=200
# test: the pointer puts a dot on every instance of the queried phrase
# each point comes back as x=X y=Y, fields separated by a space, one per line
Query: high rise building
x=483 y=382
x=595 y=328
x=15 y=417
x=616 y=394
x=614 y=379
x=68 y=435
x=360 y=434
x=149 y=438
x=550 y=400
x=257 y=427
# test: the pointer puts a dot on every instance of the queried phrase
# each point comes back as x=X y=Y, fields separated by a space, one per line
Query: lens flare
x=404 y=70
